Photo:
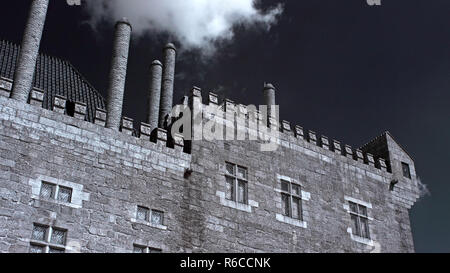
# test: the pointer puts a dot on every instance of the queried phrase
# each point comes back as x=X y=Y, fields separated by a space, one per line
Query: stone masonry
x=113 y=172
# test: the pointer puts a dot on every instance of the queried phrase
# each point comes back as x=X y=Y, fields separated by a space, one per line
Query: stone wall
x=113 y=172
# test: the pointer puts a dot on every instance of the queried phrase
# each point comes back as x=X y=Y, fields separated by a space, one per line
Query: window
x=48 y=190
x=56 y=192
x=291 y=200
x=65 y=194
x=142 y=213
x=155 y=217
x=360 y=220
x=144 y=249
x=406 y=171
x=45 y=239
x=236 y=183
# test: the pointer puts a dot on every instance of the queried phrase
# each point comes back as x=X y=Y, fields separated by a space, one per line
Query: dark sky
x=342 y=68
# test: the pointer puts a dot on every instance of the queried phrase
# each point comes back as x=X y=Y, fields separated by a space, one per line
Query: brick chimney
x=154 y=94
x=23 y=77
x=118 y=72
x=168 y=78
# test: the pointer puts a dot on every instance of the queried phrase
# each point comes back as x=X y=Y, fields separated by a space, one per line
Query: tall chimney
x=269 y=99
x=167 y=84
x=23 y=76
x=118 y=73
x=154 y=94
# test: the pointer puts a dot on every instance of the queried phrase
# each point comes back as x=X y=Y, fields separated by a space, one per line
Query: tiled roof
x=55 y=76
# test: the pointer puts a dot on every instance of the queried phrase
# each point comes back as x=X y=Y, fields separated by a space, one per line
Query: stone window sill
x=359 y=239
x=162 y=227
x=291 y=221
x=236 y=205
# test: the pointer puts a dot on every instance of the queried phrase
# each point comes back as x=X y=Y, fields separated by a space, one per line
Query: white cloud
x=194 y=23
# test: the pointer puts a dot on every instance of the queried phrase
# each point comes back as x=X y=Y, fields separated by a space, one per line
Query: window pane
x=154 y=250
x=138 y=249
x=47 y=190
x=39 y=233
x=362 y=210
x=406 y=171
x=157 y=217
x=285 y=186
x=296 y=208
x=242 y=173
x=353 y=207
x=65 y=194
x=58 y=237
x=285 y=204
x=142 y=213
x=56 y=250
x=356 y=229
x=296 y=190
x=364 y=228
x=242 y=192
x=229 y=193
x=36 y=249
x=230 y=169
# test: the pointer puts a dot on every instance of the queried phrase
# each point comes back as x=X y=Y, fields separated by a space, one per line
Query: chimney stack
x=118 y=72
x=269 y=99
x=168 y=78
x=23 y=77
x=154 y=94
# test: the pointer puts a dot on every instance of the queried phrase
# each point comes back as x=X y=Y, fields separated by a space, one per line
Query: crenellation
x=369 y=159
x=5 y=87
x=100 y=117
x=160 y=136
x=80 y=110
x=213 y=98
x=312 y=137
x=325 y=143
x=382 y=164
x=359 y=155
x=127 y=126
x=229 y=106
x=178 y=142
x=37 y=97
x=299 y=132
x=348 y=151
x=59 y=104
x=337 y=147
x=285 y=125
x=145 y=131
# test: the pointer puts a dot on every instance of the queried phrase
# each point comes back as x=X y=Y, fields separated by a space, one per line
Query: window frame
x=237 y=182
x=46 y=244
x=149 y=215
x=55 y=192
x=291 y=196
x=407 y=168
x=359 y=215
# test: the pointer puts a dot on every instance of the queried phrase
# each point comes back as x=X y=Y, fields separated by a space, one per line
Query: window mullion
x=56 y=192
x=291 y=213
x=48 y=235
